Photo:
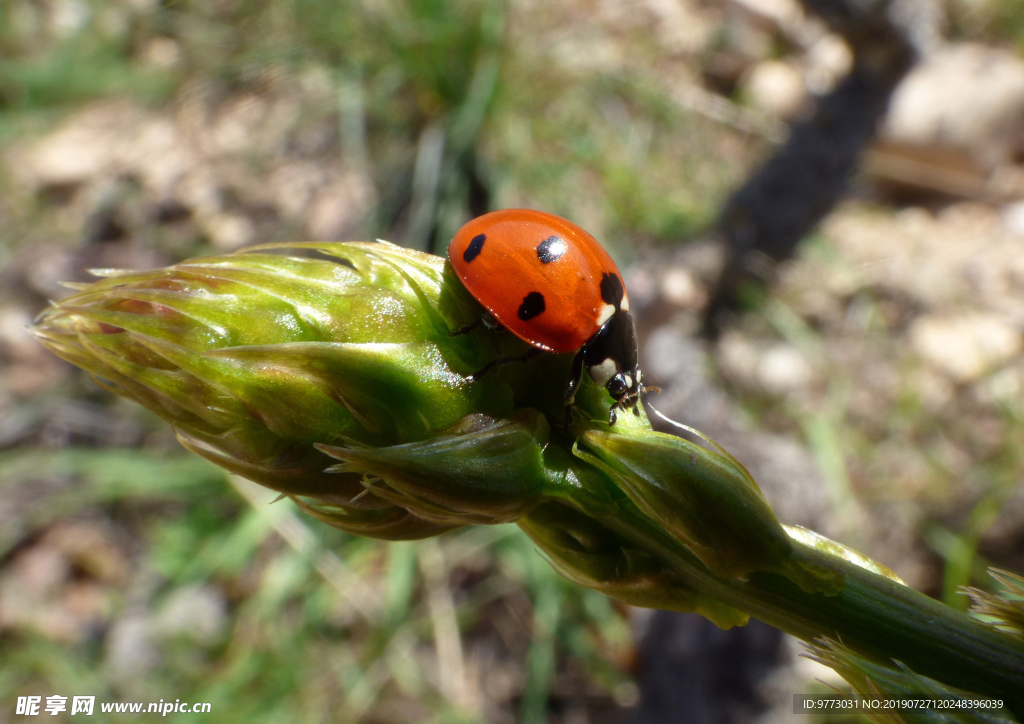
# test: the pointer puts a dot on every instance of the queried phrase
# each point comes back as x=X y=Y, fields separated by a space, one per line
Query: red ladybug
x=551 y=284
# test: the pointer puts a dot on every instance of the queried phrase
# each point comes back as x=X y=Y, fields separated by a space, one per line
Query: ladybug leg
x=574 y=382
x=465 y=329
x=632 y=402
x=486 y=319
x=502 y=361
x=574 y=377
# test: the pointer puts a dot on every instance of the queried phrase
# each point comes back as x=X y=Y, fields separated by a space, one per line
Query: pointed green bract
x=1004 y=609
x=825 y=545
x=589 y=554
x=702 y=498
x=896 y=695
x=482 y=471
x=386 y=523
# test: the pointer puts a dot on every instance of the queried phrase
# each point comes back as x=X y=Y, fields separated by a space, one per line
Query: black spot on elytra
x=550 y=249
x=475 y=247
x=533 y=305
x=611 y=289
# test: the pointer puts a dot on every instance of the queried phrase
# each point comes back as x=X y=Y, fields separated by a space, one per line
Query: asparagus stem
x=872 y=615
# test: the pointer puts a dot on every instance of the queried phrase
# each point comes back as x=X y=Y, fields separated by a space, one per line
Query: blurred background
x=870 y=377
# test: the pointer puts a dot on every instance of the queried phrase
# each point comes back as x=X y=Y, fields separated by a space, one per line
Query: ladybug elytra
x=551 y=284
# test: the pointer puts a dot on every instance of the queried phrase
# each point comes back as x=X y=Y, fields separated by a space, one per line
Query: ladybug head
x=624 y=384
x=611 y=360
x=626 y=389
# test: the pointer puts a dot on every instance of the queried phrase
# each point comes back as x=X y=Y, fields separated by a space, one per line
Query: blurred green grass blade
x=541 y=663
x=54 y=483
x=230 y=551
x=114 y=473
x=283 y=580
x=401 y=578
x=78 y=70
x=540 y=660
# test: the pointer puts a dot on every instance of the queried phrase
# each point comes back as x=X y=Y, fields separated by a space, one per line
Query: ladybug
x=551 y=284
